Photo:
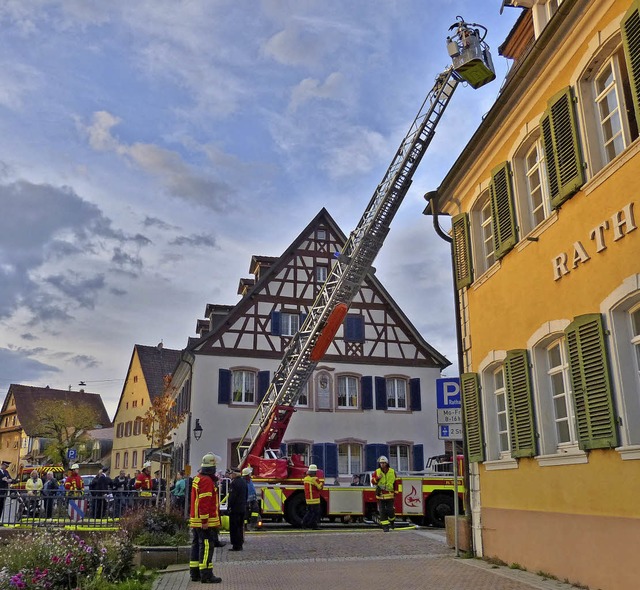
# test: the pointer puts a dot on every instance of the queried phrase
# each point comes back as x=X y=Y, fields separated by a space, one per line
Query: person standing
x=73 y=484
x=237 y=508
x=49 y=493
x=384 y=478
x=204 y=521
x=253 y=508
x=312 y=487
x=99 y=487
x=5 y=481
x=178 y=491
x=34 y=487
x=143 y=483
x=120 y=485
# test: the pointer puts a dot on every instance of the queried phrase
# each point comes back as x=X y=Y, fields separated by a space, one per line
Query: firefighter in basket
x=204 y=521
x=384 y=478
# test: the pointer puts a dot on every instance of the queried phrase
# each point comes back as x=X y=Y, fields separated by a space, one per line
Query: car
x=86 y=480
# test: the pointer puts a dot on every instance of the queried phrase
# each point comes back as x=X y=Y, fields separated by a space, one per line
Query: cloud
x=332 y=88
x=23 y=367
x=82 y=290
x=168 y=167
x=194 y=240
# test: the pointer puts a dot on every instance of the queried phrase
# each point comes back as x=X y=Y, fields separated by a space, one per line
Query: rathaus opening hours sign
x=449 y=408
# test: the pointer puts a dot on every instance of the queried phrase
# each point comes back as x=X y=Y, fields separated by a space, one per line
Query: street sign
x=72 y=454
x=451 y=416
x=450 y=431
x=448 y=393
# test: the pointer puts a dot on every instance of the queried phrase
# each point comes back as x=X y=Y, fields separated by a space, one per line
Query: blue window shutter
x=416 y=398
x=283 y=449
x=381 y=393
x=303 y=317
x=318 y=455
x=224 y=386
x=370 y=457
x=264 y=378
x=275 y=323
x=331 y=462
x=383 y=450
x=366 y=386
x=418 y=457
x=354 y=328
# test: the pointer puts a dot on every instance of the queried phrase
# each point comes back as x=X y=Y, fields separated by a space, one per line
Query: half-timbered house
x=373 y=393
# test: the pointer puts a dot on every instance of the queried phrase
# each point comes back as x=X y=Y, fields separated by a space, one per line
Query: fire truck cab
x=24 y=473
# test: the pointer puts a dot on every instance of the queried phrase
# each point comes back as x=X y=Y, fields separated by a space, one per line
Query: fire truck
x=24 y=473
x=423 y=498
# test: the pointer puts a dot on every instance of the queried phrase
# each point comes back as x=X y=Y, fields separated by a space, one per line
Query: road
x=355 y=559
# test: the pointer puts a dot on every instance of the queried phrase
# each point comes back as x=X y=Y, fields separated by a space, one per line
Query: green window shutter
x=463 y=266
x=470 y=388
x=591 y=383
x=550 y=156
x=631 y=43
x=518 y=384
x=502 y=210
x=566 y=147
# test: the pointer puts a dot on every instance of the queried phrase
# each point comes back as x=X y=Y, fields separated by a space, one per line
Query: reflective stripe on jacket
x=312 y=487
x=73 y=483
x=385 y=483
x=205 y=504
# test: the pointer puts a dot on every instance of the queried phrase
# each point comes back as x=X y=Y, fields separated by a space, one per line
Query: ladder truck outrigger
x=278 y=477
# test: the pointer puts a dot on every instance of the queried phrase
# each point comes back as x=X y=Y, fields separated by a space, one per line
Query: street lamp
x=197 y=430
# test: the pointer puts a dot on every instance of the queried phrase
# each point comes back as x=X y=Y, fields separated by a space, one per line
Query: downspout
x=432 y=198
x=187 y=454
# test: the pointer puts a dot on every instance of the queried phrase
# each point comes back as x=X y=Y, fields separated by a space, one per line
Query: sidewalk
x=358 y=560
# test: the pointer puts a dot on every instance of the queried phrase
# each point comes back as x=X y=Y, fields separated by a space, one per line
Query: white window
x=244 y=387
x=610 y=122
x=396 y=394
x=321 y=234
x=560 y=389
x=303 y=399
x=300 y=448
x=347 y=392
x=289 y=323
x=349 y=458
x=482 y=234
x=502 y=415
x=321 y=273
x=399 y=457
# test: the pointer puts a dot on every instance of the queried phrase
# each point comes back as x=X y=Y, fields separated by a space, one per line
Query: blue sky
x=148 y=149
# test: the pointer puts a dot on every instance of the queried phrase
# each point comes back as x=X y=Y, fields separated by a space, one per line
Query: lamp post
x=197 y=430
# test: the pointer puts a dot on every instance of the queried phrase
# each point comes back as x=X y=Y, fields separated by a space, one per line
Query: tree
x=159 y=422
x=63 y=424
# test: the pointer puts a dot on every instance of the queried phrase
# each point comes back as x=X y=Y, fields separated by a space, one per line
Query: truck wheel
x=439 y=506
x=294 y=509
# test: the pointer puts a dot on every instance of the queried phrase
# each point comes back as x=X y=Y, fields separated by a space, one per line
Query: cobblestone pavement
x=354 y=560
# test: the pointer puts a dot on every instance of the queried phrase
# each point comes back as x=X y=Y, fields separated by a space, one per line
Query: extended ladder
x=270 y=420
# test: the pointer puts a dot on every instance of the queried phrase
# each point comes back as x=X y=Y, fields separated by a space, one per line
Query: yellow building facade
x=545 y=206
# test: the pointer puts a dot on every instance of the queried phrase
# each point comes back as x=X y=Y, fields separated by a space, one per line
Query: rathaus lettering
x=621 y=223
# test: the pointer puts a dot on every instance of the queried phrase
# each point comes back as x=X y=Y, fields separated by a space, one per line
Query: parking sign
x=448 y=393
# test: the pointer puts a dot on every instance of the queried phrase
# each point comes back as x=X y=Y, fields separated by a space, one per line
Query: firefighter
x=73 y=484
x=204 y=521
x=143 y=482
x=312 y=487
x=253 y=508
x=384 y=478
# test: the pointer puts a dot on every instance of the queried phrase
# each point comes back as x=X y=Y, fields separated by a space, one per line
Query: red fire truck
x=422 y=498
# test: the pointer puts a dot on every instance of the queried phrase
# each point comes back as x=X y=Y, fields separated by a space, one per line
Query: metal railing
x=88 y=509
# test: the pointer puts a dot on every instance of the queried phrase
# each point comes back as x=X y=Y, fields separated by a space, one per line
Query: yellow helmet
x=209 y=460
x=383 y=459
x=247 y=471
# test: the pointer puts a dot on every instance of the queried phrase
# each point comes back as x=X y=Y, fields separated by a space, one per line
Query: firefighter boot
x=195 y=573
x=207 y=577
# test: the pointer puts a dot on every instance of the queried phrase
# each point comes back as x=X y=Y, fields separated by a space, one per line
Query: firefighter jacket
x=143 y=483
x=385 y=483
x=312 y=487
x=73 y=484
x=205 y=504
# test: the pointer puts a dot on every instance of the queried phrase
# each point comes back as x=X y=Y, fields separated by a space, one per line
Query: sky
x=148 y=149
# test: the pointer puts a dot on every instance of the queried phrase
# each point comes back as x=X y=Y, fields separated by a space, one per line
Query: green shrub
x=151 y=526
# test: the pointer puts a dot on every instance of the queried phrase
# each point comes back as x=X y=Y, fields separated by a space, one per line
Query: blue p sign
x=448 y=393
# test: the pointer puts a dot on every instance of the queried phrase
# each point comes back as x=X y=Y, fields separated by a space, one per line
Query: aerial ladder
x=260 y=444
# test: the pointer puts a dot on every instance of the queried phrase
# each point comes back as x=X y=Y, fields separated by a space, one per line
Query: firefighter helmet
x=209 y=460
x=247 y=471
x=75 y=466
x=313 y=468
x=383 y=459
x=146 y=465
